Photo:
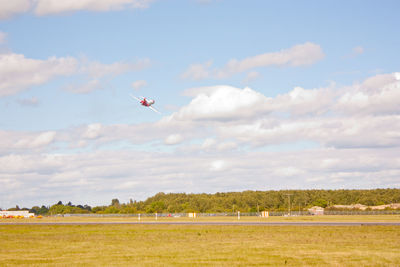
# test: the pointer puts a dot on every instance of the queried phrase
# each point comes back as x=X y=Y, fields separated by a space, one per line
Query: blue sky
x=254 y=95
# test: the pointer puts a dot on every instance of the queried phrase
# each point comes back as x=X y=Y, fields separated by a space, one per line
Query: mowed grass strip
x=195 y=245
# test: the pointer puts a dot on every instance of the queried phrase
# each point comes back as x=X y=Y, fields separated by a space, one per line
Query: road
x=215 y=223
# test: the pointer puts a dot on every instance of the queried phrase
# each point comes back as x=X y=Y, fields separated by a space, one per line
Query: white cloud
x=18 y=73
x=208 y=143
x=93 y=131
x=40 y=140
x=251 y=76
x=227 y=146
x=173 y=139
x=137 y=85
x=288 y=171
x=361 y=115
x=227 y=118
x=61 y=176
x=377 y=95
x=48 y=7
x=356 y=51
x=9 y=8
x=298 y=55
x=3 y=37
x=198 y=71
x=224 y=150
x=218 y=165
x=223 y=103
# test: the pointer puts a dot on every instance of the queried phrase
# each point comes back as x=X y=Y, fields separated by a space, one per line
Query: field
x=200 y=245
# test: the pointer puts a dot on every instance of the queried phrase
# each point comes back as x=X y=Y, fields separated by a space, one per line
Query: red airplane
x=146 y=102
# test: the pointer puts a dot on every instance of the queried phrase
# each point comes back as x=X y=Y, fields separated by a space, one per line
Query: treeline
x=247 y=201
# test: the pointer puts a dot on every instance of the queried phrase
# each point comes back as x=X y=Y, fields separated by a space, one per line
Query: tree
x=115 y=202
x=320 y=203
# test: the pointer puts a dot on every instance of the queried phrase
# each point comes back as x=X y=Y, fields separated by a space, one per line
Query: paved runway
x=216 y=223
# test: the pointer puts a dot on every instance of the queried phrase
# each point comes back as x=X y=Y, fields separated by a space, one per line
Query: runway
x=214 y=223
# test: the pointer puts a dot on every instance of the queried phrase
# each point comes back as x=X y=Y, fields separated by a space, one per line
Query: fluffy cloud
x=361 y=115
x=231 y=134
x=46 y=7
x=222 y=103
x=18 y=73
x=251 y=76
x=173 y=139
x=10 y=8
x=93 y=131
x=228 y=118
x=377 y=95
x=25 y=142
x=298 y=55
x=198 y=71
x=96 y=177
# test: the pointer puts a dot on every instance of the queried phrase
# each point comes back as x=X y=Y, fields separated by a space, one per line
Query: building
x=15 y=213
x=316 y=210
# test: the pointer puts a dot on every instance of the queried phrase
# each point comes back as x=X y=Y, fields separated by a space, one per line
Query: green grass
x=197 y=245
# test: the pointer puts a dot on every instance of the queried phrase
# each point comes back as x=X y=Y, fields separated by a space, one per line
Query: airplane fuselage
x=147 y=103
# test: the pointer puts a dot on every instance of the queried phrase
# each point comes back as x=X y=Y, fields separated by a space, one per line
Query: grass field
x=199 y=245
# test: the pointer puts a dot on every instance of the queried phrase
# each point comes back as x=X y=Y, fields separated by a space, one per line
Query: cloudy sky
x=254 y=95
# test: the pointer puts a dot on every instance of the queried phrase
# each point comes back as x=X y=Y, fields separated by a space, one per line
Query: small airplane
x=146 y=102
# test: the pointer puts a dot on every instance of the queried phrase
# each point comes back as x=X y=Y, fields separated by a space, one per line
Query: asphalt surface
x=215 y=223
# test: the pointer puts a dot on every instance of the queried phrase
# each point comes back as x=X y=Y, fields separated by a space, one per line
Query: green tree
x=115 y=202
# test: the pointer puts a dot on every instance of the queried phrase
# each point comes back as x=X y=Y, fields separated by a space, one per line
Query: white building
x=16 y=213
x=316 y=210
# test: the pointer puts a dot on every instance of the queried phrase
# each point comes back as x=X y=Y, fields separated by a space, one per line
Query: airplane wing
x=155 y=110
x=134 y=97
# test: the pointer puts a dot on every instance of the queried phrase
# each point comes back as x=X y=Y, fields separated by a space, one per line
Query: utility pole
x=289 y=201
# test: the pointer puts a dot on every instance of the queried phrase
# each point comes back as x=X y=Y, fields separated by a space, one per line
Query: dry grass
x=173 y=245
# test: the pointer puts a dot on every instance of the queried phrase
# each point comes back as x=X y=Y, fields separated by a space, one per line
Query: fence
x=361 y=212
x=242 y=214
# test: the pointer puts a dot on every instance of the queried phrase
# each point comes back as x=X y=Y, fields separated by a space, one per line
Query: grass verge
x=197 y=245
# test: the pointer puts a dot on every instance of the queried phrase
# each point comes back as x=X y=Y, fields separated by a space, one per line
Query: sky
x=253 y=95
